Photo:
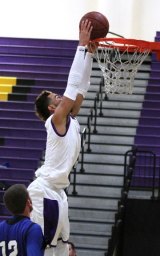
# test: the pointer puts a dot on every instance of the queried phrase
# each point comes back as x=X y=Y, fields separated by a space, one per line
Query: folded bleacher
x=27 y=66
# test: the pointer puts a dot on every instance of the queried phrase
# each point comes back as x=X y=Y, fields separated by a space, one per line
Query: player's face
x=55 y=99
x=71 y=251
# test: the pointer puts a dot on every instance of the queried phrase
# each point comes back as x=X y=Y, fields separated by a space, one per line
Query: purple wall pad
x=148 y=130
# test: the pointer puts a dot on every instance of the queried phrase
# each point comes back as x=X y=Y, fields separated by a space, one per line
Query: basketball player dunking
x=50 y=206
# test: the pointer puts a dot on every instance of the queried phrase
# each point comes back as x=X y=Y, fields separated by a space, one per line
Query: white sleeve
x=75 y=74
x=85 y=82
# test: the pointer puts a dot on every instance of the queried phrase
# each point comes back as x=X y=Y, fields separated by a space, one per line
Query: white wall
x=59 y=19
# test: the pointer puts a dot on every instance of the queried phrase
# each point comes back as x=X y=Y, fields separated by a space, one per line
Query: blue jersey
x=19 y=236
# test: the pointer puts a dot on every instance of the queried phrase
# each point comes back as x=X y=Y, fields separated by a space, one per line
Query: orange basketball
x=99 y=22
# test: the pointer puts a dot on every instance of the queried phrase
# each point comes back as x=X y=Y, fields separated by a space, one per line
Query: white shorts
x=50 y=211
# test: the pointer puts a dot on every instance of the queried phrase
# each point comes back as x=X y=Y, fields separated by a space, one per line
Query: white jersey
x=61 y=153
x=50 y=204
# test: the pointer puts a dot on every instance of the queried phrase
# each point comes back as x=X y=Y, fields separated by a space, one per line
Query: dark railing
x=83 y=142
x=88 y=130
x=74 y=192
x=74 y=172
x=98 y=103
x=132 y=160
x=145 y=175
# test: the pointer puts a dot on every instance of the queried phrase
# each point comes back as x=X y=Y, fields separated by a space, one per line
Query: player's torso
x=62 y=151
x=61 y=154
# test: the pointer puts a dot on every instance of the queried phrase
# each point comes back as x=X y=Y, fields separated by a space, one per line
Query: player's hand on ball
x=85 y=32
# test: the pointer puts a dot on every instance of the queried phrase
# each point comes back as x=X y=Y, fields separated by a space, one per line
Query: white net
x=119 y=67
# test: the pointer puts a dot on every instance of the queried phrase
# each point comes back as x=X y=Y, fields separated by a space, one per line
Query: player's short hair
x=72 y=246
x=15 y=198
x=41 y=105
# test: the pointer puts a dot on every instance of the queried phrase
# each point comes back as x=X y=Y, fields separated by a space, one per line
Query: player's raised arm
x=74 y=80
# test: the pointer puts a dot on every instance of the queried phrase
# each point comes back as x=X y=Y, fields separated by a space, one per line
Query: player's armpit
x=61 y=113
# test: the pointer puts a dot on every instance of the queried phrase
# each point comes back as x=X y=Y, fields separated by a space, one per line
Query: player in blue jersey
x=19 y=236
x=47 y=191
